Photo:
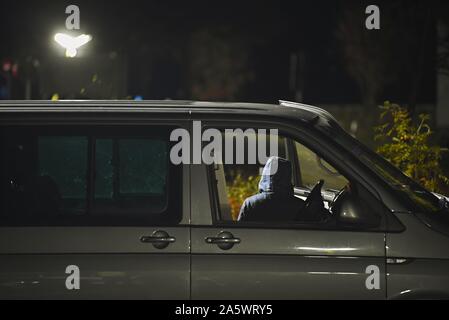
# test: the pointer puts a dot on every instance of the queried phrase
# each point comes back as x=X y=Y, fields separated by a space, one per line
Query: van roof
x=284 y=108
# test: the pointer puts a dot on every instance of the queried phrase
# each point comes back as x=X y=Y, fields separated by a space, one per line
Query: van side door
x=92 y=211
x=276 y=259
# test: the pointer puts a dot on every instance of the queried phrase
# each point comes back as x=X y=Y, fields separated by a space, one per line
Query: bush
x=407 y=146
x=240 y=189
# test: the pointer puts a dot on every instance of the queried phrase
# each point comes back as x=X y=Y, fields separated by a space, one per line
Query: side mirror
x=353 y=211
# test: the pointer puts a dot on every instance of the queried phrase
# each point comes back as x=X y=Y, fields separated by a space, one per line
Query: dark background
x=222 y=50
x=317 y=52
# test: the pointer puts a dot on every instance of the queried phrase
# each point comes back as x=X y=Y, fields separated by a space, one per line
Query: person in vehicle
x=275 y=200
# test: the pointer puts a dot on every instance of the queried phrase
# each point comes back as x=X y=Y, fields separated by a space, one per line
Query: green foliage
x=240 y=189
x=407 y=146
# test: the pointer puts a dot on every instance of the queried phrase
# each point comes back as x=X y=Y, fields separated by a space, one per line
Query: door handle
x=160 y=239
x=217 y=240
x=224 y=240
x=151 y=239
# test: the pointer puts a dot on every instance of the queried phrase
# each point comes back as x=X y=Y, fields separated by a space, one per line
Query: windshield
x=421 y=198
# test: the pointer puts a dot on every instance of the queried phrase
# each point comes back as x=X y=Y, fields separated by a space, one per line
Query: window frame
x=89 y=130
x=316 y=145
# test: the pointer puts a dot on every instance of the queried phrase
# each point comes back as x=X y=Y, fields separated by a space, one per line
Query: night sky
x=155 y=37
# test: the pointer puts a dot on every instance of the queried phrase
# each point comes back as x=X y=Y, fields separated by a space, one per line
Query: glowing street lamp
x=71 y=44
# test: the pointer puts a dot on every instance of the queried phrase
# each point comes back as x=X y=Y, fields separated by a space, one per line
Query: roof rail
x=95 y=102
x=306 y=107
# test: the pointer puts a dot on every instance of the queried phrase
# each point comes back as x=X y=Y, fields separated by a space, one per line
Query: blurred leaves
x=407 y=146
x=240 y=189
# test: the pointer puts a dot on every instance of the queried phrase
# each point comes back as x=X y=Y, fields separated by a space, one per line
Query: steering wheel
x=315 y=195
x=338 y=196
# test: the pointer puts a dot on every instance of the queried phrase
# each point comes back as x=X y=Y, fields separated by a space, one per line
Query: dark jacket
x=275 y=200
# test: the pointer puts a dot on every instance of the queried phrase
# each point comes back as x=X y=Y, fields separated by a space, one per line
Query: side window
x=312 y=168
x=131 y=176
x=236 y=182
x=62 y=164
x=87 y=176
x=143 y=166
x=104 y=168
x=245 y=193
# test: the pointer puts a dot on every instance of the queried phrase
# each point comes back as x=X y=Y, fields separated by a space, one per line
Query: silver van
x=92 y=207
